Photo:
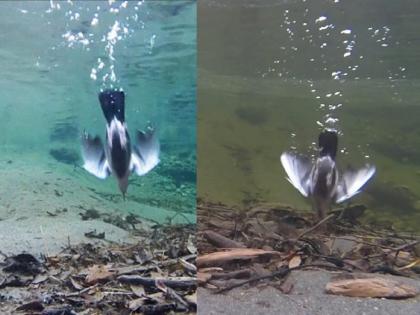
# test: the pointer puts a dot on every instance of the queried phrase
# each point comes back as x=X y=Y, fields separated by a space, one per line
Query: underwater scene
x=56 y=57
x=274 y=74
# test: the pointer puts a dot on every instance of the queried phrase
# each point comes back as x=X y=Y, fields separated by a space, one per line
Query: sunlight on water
x=56 y=57
x=273 y=74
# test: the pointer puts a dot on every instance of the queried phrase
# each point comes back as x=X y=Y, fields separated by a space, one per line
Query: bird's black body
x=328 y=143
x=320 y=180
x=117 y=156
x=113 y=105
x=118 y=146
x=120 y=155
x=324 y=174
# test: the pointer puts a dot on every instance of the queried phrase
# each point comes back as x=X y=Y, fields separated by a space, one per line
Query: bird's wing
x=146 y=151
x=352 y=181
x=94 y=157
x=298 y=169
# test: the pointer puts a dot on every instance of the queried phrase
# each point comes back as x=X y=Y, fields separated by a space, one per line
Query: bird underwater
x=118 y=156
x=320 y=180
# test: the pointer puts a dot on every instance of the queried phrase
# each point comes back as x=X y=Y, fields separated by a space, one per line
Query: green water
x=273 y=73
x=55 y=56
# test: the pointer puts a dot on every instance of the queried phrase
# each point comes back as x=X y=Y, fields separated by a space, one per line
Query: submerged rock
x=64 y=155
x=180 y=171
x=64 y=131
x=391 y=196
x=252 y=115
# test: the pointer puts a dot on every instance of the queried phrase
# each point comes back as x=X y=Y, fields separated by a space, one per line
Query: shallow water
x=273 y=73
x=55 y=57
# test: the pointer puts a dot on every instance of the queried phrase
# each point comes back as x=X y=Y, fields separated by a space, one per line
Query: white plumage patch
x=146 y=152
x=298 y=169
x=142 y=167
x=94 y=157
x=99 y=170
x=352 y=181
x=118 y=128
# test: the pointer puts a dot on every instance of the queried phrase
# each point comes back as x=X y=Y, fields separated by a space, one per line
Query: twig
x=221 y=241
x=59 y=311
x=405 y=246
x=118 y=293
x=238 y=274
x=179 y=213
x=279 y=273
x=187 y=266
x=387 y=269
x=78 y=292
x=150 y=282
x=174 y=261
x=171 y=293
x=396 y=249
x=4 y=255
x=363 y=242
x=157 y=308
x=316 y=225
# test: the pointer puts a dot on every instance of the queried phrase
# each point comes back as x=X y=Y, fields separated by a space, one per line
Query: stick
x=78 y=292
x=151 y=282
x=396 y=249
x=171 y=293
x=220 y=241
x=279 y=273
x=405 y=246
x=238 y=274
x=316 y=225
x=157 y=309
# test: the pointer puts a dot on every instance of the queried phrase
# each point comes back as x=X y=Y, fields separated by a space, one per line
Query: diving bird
x=320 y=180
x=118 y=156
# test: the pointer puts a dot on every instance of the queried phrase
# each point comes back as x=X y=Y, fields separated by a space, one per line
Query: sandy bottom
x=307 y=297
x=41 y=201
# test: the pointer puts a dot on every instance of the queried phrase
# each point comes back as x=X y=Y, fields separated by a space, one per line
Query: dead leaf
x=371 y=287
x=410 y=265
x=187 y=266
x=218 y=258
x=134 y=305
x=39 y=279
x=191 y=298
x=158 y=297
x=98 y=296
x=403 y=258
x=259 y=270
x=98 y=273
x=138 y=290
x=157 y=274
x=203 y=277
x=287 y=285
x=161 y=286
x=191 y=245
x=211 y=286
x=75 y=284
x=211 y=269
x=295 y=262
x=131 y=269
x=53 y=260
x=31 y=306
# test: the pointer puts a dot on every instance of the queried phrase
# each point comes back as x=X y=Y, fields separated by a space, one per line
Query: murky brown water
x=273 y=73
